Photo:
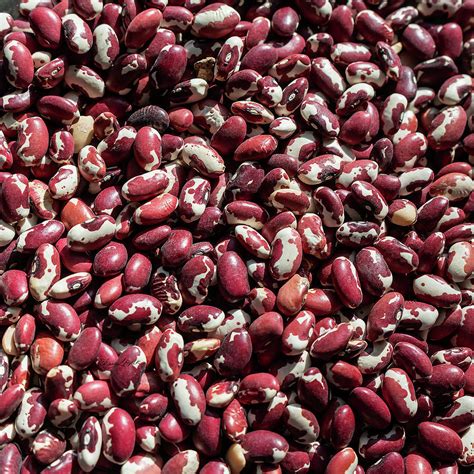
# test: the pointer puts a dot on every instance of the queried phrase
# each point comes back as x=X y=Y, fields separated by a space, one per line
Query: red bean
x=264 y=446
x=182 y=462
x=142 y=28
x=344 y=460
x=346 y=282
x=136 y=308
x=115 y=425
x=232 y=276
x=85 y=349
x=439 y=441
x=372 y=408
x=399 y=393
x=234 y=353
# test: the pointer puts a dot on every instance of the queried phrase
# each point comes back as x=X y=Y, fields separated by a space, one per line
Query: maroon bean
x=151 y=238
x=137 y=308
x=384 y=316
x=371 y=407
x=268 y=417
x=264 y=446
x=182 y=462
x=449 y=40
x=189 y=399
x=439 y=441
x=319 y=15
x=31 y=413
x=301 y=423
x=234 y=421
x=228 y=57
x=18 y=64
x=445 y=378
x=418 y=40
x=128 y=370
x=46 y=24
x=176 y=248
x=447 y=127
x=155 y=211
x=256 y=148
x=90 y=438
x=232 y=276
x=313 y=238
x=344 y=460
x=60 y=318
x=85 y=349
x=205 y=25
x=137 y=273
x=257 y=32
x=346 y=282
x=416 y=463
x=48 y=446
x=342 y=427
x=14 y=287
x=260 y=58
x=200 y=318
x=169 y=355
x=258 y=388
x=285 y=21
x=374 y=446
x=327 y=77
x=15 y=197
x=399 y=257
x=391 y=462
x=171 y=58
x=142 y=28
x=360 y=71
x=286 y=254
x=164 y=286
x=413 y=360
x=267 y=327
x=91 y=234
x=343 y=376
x=434 y=289
x=372 y=27
x=230 y=135
x=115 y=425
x=10 y=458
x=292 y=97
x=341 y=24
x=458 y=417
x=207 y=435
x=32 y=142
x=399 y=394
x=110 y=260
x=234 y=353
x=145 y=186
x=357 y=234
x=331 y=342
x=374 y=273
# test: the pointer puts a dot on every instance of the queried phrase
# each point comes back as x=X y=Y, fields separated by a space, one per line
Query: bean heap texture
x=237 y=237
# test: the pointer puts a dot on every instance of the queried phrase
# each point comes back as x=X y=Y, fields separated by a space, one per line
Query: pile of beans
x=237 y=237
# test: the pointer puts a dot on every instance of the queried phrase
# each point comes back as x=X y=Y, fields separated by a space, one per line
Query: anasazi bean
x=237 y=237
